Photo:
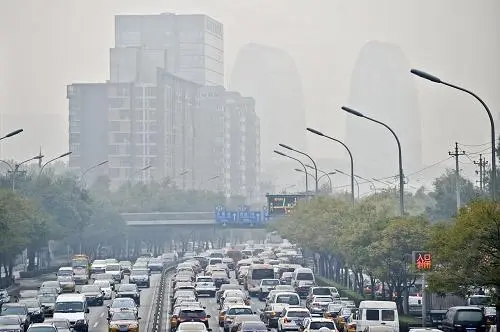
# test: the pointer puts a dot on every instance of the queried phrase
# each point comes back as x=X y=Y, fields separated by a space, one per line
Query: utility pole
x=456 y=154
x=40 y=159
x=482 y=166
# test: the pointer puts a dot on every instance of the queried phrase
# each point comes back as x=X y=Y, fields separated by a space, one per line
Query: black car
x=93 y=294
x=130 y=291
x=220 y=279
x=18 y=309
x=464 y=319
x=194 y=315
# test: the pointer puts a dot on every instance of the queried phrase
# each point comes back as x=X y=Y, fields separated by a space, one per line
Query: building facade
x=191 y=46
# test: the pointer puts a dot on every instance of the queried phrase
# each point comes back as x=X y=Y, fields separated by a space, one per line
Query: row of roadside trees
x=59 y=207
x=370 y=238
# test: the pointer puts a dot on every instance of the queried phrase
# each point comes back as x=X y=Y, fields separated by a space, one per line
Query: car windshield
x=12 y=320
x=299 y=314
x=240 y=311
x=318 y=325
x=288 y=299
x=90 y=289
x=42 y=329
x=258 y=274
x=50 y=284
x=30 y=303
x=123 y=303
x=323 y=299
x=322 y=291
x=13 y=310
x=102 y=283
x=65 y=273
x=69 y=307
x=125 y=264
x=469 y=316
x=123 y=315
x=113 y=267
x=139 y=272
x=127 y=288
x=480 y=300
x=206 y=279
x=234 y=300
x=305 y=276
x=272 y=282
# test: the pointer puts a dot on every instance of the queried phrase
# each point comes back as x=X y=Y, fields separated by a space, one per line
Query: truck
x=79 y=262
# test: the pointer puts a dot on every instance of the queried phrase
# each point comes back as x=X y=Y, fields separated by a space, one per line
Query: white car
x=315 y=323
x=292 y=318
x=192 y=327
x=105 y=287
x=205 y=285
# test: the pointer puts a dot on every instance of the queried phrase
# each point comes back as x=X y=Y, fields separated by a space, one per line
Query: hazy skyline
x=49 y=44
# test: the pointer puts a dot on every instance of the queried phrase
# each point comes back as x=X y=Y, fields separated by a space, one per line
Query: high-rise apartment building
x=192 y=45
x=163 y=115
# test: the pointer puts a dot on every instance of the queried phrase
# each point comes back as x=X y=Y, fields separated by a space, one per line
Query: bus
x=80 y=261
x=256 y=273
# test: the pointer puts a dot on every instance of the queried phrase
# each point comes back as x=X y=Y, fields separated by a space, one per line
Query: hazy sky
x=47 y=44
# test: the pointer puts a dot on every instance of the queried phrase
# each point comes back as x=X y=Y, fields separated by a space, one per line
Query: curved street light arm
x=8 y=164
x=297 y=160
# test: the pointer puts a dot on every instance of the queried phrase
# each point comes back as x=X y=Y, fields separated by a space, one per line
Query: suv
x=313 y=291
x=464 y=319
x=194 y=315
x=140 y=277
x=129 y=290
x=205 y=285
x=17 y=309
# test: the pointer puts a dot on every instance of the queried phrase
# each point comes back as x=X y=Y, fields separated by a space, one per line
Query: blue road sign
x=243 y=216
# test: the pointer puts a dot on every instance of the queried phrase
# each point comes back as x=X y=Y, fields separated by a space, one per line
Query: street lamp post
x=52 y=160
x=308 y=156
x=372 y=184
x=319 y=133
x=297 y=160
x=13 y=133
x=436 y=79
x=400 y=158
x=353 y=178
x=14 y=169
x=90 y=169
x=323 y=173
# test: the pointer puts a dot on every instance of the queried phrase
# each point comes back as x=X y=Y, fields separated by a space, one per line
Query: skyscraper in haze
x=270 y=76
x=382 y=88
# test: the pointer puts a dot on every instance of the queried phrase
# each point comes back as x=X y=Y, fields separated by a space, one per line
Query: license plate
x=470 y=330
x=298 y=321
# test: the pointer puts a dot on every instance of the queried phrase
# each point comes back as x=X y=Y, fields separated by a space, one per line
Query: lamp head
x=314 y=131
x=352 y=111
x=280 y=153
x=286 y=146
x=65 y=154
x=15 y=132
x=425 y=75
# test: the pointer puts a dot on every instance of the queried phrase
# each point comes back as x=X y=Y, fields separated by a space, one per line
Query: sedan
x=11 y=323
x=93 y=294
x=129 y=290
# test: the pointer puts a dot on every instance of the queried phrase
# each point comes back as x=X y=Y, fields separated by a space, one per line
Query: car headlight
x=133 y=326
x=114 y=326
x=80 y=321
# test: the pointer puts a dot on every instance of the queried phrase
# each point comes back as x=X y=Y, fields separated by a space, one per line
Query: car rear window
x=300 y=314
x=469 y=316
x=322 y=291
x=318 y=325
x=193 y=314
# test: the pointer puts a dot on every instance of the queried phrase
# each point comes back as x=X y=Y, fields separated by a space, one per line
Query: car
x=222 y=289
x=129 y=290
x=18 y=309
x=155 y=265
x=194 y=314
x=35 y=310
x=240 y=319
x=292 y=318
x=73 y=307
x=232 y=312
x=140 y=277
x=28 y=294
x=105 y=286
x=93 y=294
x=246 y=326
x=314 y=291
x=220 y=278
x=66 y=279
x=265 y=286
x=192 y=327
x=115 y=271
x=62 y=324
x=302 y=287
x=319 y=304
x=80 y=276
x=123 y=320
x=205 y=285
x=315 y=323
x=121 y=304
x=98 y=266
x=51 y=284
x=126 y=267
x=286 y=278
x=4 y=296
x=42 y=327
x=12 y=323
x=107 y=277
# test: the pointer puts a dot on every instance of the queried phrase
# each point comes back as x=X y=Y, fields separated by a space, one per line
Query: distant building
x=270 y=76
x=190 y=46
x=382 y=88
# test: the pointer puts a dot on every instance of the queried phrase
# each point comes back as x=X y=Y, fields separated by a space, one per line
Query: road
x=212 y=309
x=98 y=315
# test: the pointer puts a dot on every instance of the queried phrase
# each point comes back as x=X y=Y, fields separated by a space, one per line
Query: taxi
x=123 y=321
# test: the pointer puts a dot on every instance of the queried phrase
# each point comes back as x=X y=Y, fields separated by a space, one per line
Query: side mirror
x=204 y=307
x=78 y=292
x=109 y=318
x=208 y=316
x=255 y=312
x=138 y=318
x=108 y=306
x=87 y=310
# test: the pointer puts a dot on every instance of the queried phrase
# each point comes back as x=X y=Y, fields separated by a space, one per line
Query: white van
x=302 y=274
x=377 y=313
x=73 y=307
x=66 y=278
